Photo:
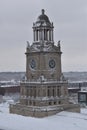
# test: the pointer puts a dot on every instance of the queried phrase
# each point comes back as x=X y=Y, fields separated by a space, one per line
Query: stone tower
x=43 y=92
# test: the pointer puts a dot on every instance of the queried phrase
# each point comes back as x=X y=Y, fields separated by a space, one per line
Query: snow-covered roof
x=12 y=85
x=85 y=91
x=45 y=82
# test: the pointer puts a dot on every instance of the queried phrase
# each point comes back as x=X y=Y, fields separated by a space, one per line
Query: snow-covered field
x=62 y=121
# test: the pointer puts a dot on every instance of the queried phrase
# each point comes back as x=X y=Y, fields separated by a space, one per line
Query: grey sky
x=70 y=26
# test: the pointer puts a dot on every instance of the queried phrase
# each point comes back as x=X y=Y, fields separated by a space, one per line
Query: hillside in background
x=71 y=76
x=76 y=76
x=6 y=76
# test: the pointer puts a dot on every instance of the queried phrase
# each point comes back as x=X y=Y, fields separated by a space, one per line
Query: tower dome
x=43 y=20
x=43 y=17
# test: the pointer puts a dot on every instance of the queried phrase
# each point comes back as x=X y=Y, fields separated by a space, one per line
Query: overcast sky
x=70 y=26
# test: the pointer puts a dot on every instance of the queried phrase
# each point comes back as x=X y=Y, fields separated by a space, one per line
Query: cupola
x=43 y=28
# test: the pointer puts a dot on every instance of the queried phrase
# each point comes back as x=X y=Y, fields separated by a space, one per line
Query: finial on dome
x=43 y=11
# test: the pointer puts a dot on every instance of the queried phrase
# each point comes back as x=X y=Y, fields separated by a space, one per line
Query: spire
x=28 y=44
x=59 y=45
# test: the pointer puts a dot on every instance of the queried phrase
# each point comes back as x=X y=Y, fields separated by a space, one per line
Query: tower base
x=44 y=111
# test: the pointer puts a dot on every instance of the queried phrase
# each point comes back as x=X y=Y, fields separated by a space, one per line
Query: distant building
x=82 y=95
x=10 y=89
x=44 y=90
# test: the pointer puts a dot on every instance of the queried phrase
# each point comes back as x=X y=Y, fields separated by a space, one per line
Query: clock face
x=33 y=64
x=52 y=63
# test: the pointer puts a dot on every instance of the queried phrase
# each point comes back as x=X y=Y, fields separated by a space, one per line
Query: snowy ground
x=61 y=121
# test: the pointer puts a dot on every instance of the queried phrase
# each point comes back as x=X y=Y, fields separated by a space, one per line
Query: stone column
x=43 y=35
x=46 y=35
x=56 y=90
x=49 y=35
x=52 y=34
x=34 y=35
x=46 y=92
x=51 y=91
x=36 y=91
x=37 y=35
x=28 y=92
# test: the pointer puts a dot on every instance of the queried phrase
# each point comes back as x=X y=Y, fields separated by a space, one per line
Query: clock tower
x=43 y=57
x=44 y=91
